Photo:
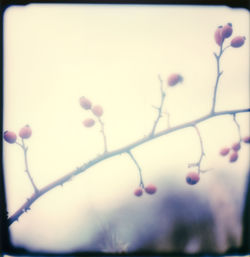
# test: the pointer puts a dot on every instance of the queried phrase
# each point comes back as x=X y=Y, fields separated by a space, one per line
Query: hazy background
x=113 y=54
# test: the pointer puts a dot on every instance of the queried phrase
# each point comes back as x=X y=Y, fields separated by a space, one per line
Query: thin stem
x=108 y=155
x=198 y=164
x=138 y=167
x=163 y=95
x=238 y=126
x=25 y=149
x=219 y=73
x=103 y=134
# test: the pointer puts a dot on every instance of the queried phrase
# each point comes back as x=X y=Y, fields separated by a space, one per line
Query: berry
x=97 y=110
x=85 y=103
x=150 y=189
x=236 y=146
x=246 y=139
x=138 y=192
x=174 y=79
x=218 y=37
x=9 y=137
x=25 y=132
x=233 y=157
x=89 y=123
x=224 y=151
x=192 y=178
x=226 y=31
x=238 y=41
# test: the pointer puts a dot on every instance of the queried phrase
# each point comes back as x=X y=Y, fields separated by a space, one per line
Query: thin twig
x=219 y=73
x=238 y=126
x=25 y=149
x=198 y=164
x=108 y=155
x=103 y=134
x=163 y=95
x=138 y=167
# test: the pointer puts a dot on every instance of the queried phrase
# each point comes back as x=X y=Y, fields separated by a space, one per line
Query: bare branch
x=238 y=126
x=108 y=155
x=103 y=134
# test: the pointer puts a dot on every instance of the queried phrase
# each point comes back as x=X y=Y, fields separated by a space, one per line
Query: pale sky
x=54 y=54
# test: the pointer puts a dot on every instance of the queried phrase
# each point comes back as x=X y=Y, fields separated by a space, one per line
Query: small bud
x=9 y=137
x=226 y=31
x=238 y=41
x=138 y=192
x=173 y=79
x=233 y=157
x=224 y=151
x=89 y=123
x=85 y=103
x=150 y=189
x=192 y=178
x=217 y=36
x=25 y=132
x=236 y=146
x=97 y=110
x=246 y=139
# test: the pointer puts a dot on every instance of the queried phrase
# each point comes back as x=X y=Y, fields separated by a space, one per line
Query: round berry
x=85 y=103
x=25 y=132
x=192 y=178
x=174 y=79
x=89 y=123
x=97 y=110
x=238 y=41
x=236 y=146
x=9 y=137
x=217 y=36
x=226 y=31
x=246 y=139
x=150 y=189
x=224 y=151
x=233 y=157
x=138 y=192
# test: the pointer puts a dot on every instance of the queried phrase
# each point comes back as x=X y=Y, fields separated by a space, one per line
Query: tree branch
x=103 y=134
x=126 y=149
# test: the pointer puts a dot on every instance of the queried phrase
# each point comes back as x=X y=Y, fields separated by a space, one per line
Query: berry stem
x=25 y=149
x=103 y=134
x=219 y=73
x=237 y=125
x=163 y=95
x=138 y=167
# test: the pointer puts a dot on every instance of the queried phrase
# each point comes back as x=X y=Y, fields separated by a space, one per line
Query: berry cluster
x=149 y=189
x=223 y=32
x=234 y=149
x=11 y=137
x=97 y=110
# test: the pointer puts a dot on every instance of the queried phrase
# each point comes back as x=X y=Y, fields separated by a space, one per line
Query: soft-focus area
x=113 y=55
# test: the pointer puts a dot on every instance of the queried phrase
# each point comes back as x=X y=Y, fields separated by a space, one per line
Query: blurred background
x=113 y=55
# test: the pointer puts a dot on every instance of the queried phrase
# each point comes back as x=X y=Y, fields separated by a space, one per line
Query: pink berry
x=150 y=189
x=246 y=139
x=192 y=178
x=25 y=132
x=85 y=103
x=217 y=36
x=173 y=79
x=236 y=146
x=138 y=192
x=224 y=151
x=9 y=137
x=97 y=110
x=238 y=41
x=89 y=123
x=233 y=157
x=226 y=31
